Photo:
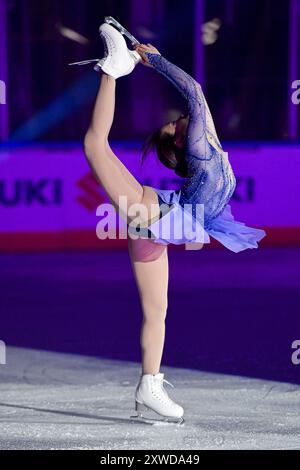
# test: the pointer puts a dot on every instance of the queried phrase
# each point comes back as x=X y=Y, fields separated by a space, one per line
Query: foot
x=150 y=394
x=118 y=60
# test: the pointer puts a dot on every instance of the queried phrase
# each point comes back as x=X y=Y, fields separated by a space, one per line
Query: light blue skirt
x=178 y=226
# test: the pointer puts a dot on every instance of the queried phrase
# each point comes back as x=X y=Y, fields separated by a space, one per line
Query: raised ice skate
x=118 y=60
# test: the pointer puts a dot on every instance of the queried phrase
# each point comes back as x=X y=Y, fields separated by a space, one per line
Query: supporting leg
x=150 y=267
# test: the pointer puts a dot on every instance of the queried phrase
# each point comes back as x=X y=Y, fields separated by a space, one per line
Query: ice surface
x=59 y=401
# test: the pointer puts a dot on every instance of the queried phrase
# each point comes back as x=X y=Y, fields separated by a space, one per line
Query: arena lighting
x=72 y=35
x=2 y=92
x=79 y=94
x=209 y=31
x=4 y=106
x=146 y=33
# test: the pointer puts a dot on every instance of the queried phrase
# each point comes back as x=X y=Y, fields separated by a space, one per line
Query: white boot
x=118 y=60
x=150 y=394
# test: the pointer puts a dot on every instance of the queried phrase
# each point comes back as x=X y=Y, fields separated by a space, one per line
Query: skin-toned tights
x=149 y=261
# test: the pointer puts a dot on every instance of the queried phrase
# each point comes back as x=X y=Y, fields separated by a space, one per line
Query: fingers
x=147 y=48
x=143 y=49
x=143 y=46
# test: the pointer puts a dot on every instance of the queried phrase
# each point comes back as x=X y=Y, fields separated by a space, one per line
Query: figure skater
x=191 y=148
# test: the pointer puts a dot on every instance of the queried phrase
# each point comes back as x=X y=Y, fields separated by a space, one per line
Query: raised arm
x=201 y=130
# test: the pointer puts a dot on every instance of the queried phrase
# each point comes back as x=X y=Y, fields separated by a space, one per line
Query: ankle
x=150 y=373
x=108 y=78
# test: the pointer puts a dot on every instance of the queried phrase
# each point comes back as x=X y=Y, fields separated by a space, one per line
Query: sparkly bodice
x=210 y=178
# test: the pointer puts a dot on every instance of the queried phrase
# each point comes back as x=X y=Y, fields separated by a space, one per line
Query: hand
x=142 y=48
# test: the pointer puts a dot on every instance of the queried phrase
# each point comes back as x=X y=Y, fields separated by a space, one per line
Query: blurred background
x=64 y=289
x=238 y=49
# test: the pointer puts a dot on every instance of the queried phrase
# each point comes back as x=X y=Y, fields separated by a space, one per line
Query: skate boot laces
x=169 y=383
x=109 y=45
x=158 y=387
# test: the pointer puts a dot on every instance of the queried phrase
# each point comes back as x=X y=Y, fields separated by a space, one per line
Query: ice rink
x=61 y=401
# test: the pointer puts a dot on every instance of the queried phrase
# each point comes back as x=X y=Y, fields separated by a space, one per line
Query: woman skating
x=200 y=208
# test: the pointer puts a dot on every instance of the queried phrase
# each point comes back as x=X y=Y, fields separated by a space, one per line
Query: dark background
x=246 y=68
x=229 y=313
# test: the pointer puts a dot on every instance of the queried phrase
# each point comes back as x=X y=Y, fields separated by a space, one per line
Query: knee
x=93 y=144
x=89 y=145
x=155 y=312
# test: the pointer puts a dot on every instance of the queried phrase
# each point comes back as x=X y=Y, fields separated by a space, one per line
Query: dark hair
x=167 y=152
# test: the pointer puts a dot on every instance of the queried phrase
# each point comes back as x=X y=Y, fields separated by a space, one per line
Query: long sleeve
x=201 y=130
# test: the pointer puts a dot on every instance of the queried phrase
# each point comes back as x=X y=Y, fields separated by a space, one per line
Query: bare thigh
x=122 y=182
x=150 y=200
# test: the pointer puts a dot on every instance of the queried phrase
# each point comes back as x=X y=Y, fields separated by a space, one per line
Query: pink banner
x=51 y=188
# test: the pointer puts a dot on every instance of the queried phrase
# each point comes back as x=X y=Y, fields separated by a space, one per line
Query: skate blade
x=110 y=20
x=84 y=62
x=142 y=416
x=157 y=421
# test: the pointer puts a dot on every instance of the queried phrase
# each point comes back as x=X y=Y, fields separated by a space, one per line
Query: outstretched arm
x=201 y=130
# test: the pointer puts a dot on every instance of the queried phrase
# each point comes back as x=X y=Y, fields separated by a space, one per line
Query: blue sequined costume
x=210 y=182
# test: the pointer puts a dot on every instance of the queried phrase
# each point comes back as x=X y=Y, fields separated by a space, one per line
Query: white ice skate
x=118 y=60
x=151 y=395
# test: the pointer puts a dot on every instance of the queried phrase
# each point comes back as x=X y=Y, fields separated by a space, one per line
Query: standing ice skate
x=191 y=147
x=151 y=395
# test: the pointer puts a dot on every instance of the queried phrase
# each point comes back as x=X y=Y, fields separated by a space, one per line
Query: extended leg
x=150 y=267
x=108 y=169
